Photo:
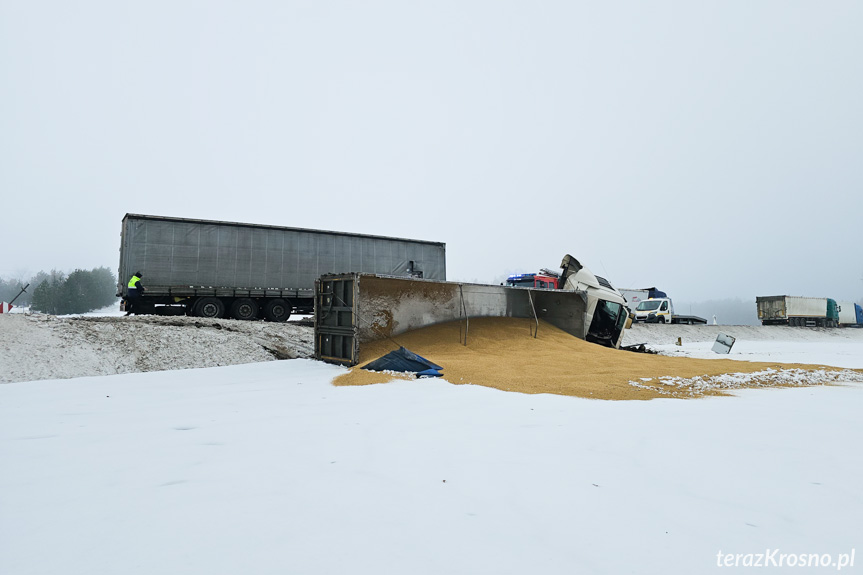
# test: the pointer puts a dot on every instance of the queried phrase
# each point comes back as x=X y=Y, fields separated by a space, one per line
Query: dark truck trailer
x=249 y=271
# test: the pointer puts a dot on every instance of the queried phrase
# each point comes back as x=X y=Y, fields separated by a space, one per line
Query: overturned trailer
x=352 y=309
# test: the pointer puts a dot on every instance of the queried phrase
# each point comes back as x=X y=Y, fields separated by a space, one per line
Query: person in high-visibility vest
x=134 y=291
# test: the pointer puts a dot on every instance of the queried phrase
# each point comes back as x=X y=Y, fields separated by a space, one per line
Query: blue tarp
x=404 y=360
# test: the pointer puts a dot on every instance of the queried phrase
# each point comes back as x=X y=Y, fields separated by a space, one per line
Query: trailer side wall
x=177 y=252
x=806 y=306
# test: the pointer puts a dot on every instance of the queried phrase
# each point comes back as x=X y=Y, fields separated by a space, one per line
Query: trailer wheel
x=244 y=309
x=209 y=307
x=277 y=310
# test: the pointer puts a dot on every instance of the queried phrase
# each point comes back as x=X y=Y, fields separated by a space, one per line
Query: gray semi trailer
x=250 y=271
x=797 y=311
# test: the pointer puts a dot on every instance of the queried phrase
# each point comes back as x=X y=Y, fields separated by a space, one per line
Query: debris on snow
x=697 y=386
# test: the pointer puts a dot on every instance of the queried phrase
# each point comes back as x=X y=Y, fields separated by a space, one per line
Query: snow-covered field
x=819 y=346
x=268 y=468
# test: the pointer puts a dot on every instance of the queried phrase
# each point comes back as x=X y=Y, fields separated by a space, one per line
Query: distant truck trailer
x=850 y=314
x=636 y=296
x=248 y=271
x=797 y=311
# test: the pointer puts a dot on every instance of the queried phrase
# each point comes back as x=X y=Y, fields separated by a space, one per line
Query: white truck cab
x=655 y=310
x=606 y=316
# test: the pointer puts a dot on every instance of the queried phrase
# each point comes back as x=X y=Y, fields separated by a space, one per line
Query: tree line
x=56 y=293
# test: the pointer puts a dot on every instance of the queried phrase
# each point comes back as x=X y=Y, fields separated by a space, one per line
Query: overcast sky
x=713 y=149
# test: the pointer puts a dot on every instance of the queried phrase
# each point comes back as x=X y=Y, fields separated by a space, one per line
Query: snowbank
x=37 y=346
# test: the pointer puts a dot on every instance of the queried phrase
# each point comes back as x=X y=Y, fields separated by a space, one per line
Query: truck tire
x=244 y=309
x=277 y=310
x=211 y=307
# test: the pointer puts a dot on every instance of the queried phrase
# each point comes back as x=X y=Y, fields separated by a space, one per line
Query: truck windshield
x=608 y=321
x=648 y=305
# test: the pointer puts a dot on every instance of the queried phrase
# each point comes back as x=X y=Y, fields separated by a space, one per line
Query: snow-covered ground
x=112 y=310
x=657 y=334
x=842 y=347
x=838 y=354
x=267 y=468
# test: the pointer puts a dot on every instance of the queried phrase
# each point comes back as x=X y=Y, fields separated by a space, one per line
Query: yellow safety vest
x=133 y=281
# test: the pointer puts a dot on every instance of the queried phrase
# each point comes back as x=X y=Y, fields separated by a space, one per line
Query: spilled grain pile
x=501 y=353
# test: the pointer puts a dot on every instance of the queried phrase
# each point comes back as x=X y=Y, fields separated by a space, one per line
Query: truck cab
x=606 y=316
x=655 y=310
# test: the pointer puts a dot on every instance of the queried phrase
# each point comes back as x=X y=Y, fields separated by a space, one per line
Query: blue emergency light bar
x=519 y=277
